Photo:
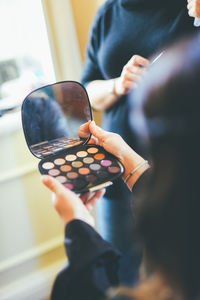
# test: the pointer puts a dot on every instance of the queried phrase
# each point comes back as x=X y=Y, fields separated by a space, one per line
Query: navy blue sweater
x=123 y=28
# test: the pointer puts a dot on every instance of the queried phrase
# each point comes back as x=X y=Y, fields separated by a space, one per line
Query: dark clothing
x=93 y=263
x=123 y=28
x=92 y=267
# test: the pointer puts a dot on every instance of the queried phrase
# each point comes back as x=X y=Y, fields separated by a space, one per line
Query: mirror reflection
x=52 y=115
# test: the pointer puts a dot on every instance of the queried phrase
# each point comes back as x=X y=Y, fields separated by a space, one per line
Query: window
x=25 y=58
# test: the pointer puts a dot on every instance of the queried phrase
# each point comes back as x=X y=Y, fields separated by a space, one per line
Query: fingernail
x=43 y=178
x=93 y=122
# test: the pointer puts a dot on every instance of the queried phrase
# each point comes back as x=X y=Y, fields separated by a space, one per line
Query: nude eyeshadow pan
x=82 y=168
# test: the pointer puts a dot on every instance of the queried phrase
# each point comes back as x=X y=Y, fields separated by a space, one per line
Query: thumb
x=97 y=131
x=84 y=131
x=55 y=186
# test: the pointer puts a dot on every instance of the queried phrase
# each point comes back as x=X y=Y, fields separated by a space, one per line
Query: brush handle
x=197 y=22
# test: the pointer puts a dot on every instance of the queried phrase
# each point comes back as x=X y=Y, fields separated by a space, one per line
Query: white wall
x=31 y=233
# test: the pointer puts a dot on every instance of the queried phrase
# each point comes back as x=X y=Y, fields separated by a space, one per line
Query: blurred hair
x=167 y=113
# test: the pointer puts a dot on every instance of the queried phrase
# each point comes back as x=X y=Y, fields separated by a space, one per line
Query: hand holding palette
x=51 y=117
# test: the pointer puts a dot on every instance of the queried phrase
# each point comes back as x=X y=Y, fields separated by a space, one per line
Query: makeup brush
x=157 y=57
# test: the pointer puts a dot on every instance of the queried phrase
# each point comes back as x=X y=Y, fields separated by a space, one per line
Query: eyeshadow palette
x=83 y=168
x=51 y=118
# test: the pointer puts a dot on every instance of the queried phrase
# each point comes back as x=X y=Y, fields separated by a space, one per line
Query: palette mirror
x=51 y=118
x=52 y=115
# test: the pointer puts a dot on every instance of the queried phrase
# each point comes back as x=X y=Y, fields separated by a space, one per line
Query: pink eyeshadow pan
x=54 y=172
x=69 y=186
x=106 y=163
x=92 y=150
x=59 y=161
x=48 y=165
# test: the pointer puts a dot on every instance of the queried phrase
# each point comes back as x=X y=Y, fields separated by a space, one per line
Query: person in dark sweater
x=43 y=119
x=124 y=36
x=166 y=196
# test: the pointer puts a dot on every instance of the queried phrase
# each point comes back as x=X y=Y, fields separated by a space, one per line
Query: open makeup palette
x=51 y=118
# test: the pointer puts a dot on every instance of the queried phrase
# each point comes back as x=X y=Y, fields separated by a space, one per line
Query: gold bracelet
x=137 y=168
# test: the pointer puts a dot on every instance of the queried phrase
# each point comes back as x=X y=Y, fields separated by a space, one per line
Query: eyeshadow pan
x=99 y=156
x=66 y=168
x=69 y=186
x=88 y=160
x=95 y=167
x=54 y=172
x=91 y=178
x=81 y=154
x=80 y=183
x=72 y=175
x=77 y=164
x=84 y=171
x=92 y=150
x=59 y=161
x=103 y=174
x=114 y=169
x=106 y=163
x=70 y=157
x=61 y=179
x=48 y=165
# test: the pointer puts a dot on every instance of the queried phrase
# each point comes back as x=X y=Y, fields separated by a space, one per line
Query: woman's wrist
x=135 y=166
x=102 y=94
x=136 y=173
x=112 y=87
x=135 y=170
x=117 y=87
